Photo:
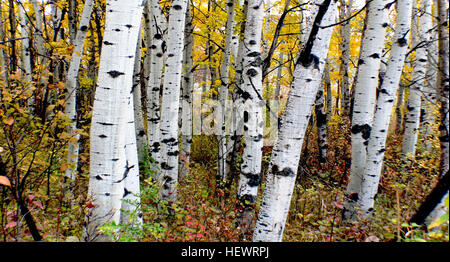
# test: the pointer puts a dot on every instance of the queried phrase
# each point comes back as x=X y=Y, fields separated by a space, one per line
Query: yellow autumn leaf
x=9 y=121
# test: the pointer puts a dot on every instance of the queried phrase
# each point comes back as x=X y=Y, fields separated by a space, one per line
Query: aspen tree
x=421 y=38
x=252 y=102
x=25 y=51
x=345 y=49
x=71 y=85
x=365 y=97
x=187 y=88
x=443 y=83
x=286 y=152
x=108 y=166
x=141 y=138
x=171 y=100
x=223 y=164
x=157 y=53
x=385 y=103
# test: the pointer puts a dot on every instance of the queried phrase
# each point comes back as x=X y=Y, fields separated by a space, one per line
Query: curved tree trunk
x=385 y=103
x=283 y=166
x=365 y=97
x=108 y=165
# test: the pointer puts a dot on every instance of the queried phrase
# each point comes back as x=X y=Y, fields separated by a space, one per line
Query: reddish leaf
x=11 y=225
x=38 y=204
x=90 y=204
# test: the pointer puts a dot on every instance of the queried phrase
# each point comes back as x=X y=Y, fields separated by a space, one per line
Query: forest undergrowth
x=204 y=212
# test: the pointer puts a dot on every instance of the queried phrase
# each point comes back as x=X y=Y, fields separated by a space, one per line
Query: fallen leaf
x=4 y=181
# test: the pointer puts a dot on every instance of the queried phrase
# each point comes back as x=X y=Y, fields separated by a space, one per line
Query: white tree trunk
x=108 y=166
x=187 y=95
x=141 y=138
x=385 y=104
x=283 y=166
x=430 y=91
x=365 y=97
x=443 y=84
x=25 y=49
x=131 y=186
x=71 y=85
x=412 y=118
x=345 y=49
x=250 y=174
x=39 y=29
x=158 y=27
x=171 y=100
x=223 y=168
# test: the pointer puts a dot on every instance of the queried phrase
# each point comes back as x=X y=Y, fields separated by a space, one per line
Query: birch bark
x=345 y=49
x=171 y=100
x=420 y=40
x=187 y=88
x=108 y=166
x=385 y=103
x=71 y=85
x=140 y=136
x=157 y=52
x=365 y=97
x=250 y=174
x=223 y=168
x=25 y=51
x=443 y=84
x=281 y=175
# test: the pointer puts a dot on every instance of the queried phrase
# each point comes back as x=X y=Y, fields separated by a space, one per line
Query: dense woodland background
x=113 y=116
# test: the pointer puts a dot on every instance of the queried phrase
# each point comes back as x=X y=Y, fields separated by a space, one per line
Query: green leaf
x=439 y=221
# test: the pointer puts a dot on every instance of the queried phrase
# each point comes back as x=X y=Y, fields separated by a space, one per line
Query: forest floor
x=205 y=213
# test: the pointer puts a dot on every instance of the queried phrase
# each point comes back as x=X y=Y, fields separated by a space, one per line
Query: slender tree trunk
x=321 y=118
x=171 y=100
x=399 y=109
x=365 y=97
x=430 y=92
x=412 y=118
x=71 y=85
x=283 y=166
x=26 y=52
x=234 y=143
x=250 y=174
x=443 y=84
x=141 y=138
x=385 y=103
x=223 y=168
x=345 y=49
x=157 y=53
x=39 y=30
x=3 y=67
x=133 y=129
x=187 y=94
x=108 y=165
